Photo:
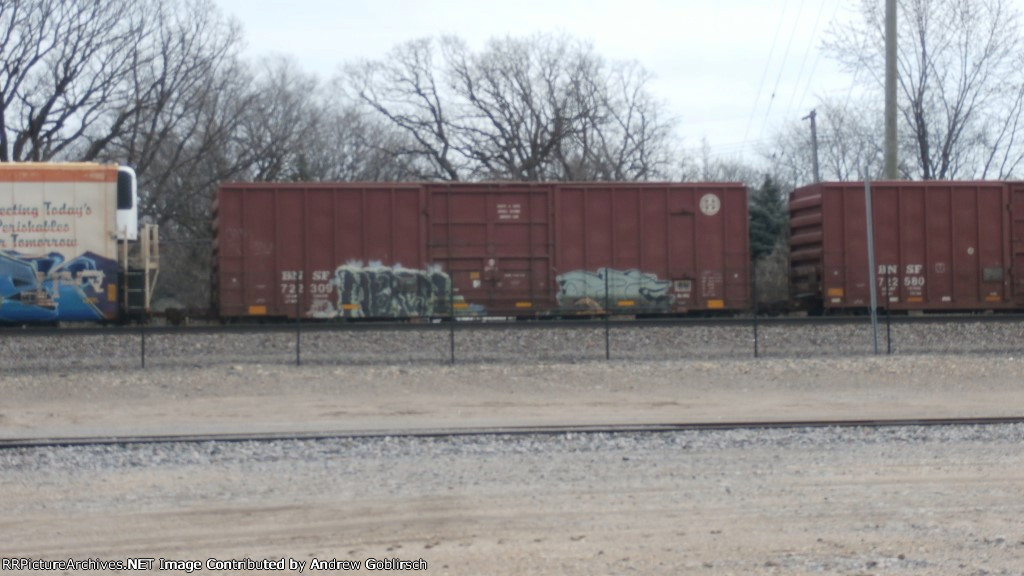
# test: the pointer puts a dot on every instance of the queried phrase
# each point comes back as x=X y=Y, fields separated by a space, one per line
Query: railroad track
x=13 y=443
x=441 y=324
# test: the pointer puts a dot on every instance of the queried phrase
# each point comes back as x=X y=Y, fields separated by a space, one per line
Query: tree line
x=161 y=85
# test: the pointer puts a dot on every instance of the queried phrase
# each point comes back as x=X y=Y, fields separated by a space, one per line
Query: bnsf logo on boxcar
x=710 y=204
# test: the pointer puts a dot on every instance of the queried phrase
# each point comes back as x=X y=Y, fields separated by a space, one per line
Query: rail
x=443 y=324
x=16 y=443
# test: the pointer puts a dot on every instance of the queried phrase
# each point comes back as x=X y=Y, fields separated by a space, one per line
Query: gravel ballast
x=895 y=500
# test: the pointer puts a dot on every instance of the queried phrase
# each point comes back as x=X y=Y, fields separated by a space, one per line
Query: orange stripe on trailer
x=67 y=172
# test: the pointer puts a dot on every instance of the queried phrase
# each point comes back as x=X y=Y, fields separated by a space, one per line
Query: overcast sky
x=717 y=63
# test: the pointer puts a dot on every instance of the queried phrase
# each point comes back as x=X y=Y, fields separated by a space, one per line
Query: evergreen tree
x=767 y=218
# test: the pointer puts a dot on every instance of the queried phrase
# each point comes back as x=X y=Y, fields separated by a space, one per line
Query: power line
x=782 y=68
x=817 y=57
x=726 y=149
x=807 y=52
x=764 y=75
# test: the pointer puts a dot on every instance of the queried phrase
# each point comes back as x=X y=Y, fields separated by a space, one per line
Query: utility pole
x=814 y=143
x=890 y=90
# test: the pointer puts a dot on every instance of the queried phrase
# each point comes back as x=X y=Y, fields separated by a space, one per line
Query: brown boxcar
x=660 y=247
x=491 y=249
x=939 y=245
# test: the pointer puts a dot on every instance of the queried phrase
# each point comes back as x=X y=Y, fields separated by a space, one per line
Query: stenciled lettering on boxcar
x=911 y=281
x=378 y=291
x=586 y=290
x=711 y=284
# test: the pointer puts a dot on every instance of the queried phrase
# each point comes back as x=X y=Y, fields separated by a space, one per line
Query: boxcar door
x=495 y=241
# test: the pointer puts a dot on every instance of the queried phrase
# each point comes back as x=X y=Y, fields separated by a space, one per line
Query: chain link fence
x=596 y=339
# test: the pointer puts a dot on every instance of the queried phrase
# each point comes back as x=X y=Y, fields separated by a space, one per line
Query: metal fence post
x=451 y=316
x=298 y=324
x=142 y=332
x=888 y=314
x=753 y=305
x=607 y=318
x=869 y=216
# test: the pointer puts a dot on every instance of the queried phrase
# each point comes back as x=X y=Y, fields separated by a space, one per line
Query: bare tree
x=405 y=89
x=960 y=81
x=145 y=83
x=179 y=130
x=634 y=141
x=850 y=136
x=704 y=166
x=1002 y=140
x=515 y=103
x=64 y=64
x=347 y=144
x=281 y=118
x=536 y=108
x=189 y=92
x=296 y=129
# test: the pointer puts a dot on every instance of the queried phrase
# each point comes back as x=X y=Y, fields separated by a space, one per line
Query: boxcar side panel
x=736 y=257
x=322 y=251
x=379 y=267
x=938 y=245
x=656 y=225
x=228 y=295
x=655 y=248
x=939 y=278
x=991 y=209
x=965 y=255
x=321 y=257
x=259 y=251
x=1016 y=244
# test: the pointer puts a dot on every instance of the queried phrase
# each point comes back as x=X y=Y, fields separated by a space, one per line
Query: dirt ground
x=252 y=398
x=885 y=507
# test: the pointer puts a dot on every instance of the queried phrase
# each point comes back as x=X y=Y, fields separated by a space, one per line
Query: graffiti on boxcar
x=378 y=291
x=50 y=288
x=582 y=289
